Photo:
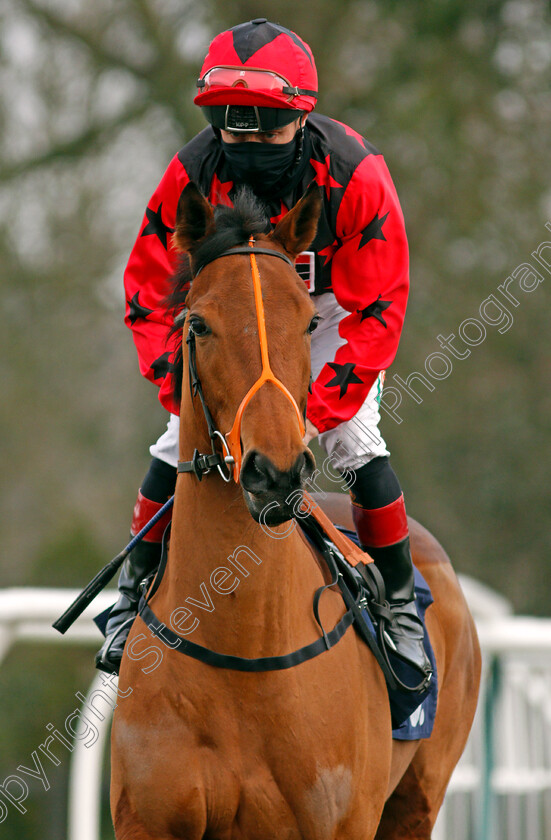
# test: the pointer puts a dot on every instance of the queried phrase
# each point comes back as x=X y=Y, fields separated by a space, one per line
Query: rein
x=200 y=465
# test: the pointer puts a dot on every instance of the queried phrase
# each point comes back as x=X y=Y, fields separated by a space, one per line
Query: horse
x=199 y=751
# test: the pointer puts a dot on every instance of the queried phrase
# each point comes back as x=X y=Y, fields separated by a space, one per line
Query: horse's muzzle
x=263 y=484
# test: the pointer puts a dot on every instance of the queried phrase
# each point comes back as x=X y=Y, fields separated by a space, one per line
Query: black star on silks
x=344 y=376
x=136 y=310
x=161 y=366
x=373 y=230
x=247 y=41
x=156 y=225
x=375 y=310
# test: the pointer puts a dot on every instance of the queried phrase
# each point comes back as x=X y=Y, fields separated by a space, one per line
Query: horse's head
x=236 y=356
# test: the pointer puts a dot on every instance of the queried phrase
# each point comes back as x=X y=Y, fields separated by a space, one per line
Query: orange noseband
x=267 y=375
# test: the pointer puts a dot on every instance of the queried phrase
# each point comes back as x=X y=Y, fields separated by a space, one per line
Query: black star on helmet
x=344 y=376
x=161 y=366
x=156 y=225
x=375 y=310
x=136 y=310
x=374 y=230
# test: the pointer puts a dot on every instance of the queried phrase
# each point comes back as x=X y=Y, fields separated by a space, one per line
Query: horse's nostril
x=258 y=474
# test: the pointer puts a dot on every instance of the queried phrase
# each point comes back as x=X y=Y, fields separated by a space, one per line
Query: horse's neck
x=241 y=588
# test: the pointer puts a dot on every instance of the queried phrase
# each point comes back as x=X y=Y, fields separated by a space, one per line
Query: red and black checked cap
x=262 y=45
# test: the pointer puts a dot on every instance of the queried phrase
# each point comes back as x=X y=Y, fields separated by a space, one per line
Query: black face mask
x=261 y=165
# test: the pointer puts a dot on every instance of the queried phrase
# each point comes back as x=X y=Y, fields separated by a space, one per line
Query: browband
x=244 y=249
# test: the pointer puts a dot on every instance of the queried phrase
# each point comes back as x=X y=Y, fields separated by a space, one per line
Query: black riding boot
x=138 y=565
x=405 y=632
x=379 y=515
x=158 y=486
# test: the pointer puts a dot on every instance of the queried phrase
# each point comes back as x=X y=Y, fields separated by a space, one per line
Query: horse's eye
x=313 y=324
x=198 y=327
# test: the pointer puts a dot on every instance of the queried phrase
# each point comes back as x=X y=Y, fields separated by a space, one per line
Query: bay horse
x=304 y=752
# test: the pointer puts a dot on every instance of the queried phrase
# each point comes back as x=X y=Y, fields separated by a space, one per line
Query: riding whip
x=103 y=577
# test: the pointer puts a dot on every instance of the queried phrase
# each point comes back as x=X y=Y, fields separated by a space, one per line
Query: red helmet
x=260 y=64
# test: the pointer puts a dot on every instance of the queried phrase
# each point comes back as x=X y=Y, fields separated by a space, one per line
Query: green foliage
x=37 y=687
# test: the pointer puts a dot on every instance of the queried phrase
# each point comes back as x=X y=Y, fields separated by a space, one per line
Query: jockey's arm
x=146 y=280
x=370 y=280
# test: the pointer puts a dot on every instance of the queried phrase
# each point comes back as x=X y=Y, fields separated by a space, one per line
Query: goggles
x=258 y=81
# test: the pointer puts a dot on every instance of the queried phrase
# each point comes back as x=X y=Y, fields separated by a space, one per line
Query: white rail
x=501 y=788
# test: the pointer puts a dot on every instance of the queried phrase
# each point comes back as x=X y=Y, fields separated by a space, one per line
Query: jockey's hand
x=311 y=432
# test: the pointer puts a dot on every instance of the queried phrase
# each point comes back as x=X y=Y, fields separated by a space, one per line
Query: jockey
x=258 y=89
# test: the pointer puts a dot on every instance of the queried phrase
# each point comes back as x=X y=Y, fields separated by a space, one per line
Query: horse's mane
x=233 y=226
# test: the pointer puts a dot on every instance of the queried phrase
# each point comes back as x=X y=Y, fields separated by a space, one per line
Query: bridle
x=232 y=456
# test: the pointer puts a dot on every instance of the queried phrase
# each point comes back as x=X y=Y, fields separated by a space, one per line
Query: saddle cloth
x=416 y=715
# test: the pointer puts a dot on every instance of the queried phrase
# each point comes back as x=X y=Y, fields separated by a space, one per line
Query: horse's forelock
x=234 y=226
x=248 y=215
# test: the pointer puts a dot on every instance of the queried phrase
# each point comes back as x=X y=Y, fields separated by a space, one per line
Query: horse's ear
x=194 y=218
x=297 y=229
